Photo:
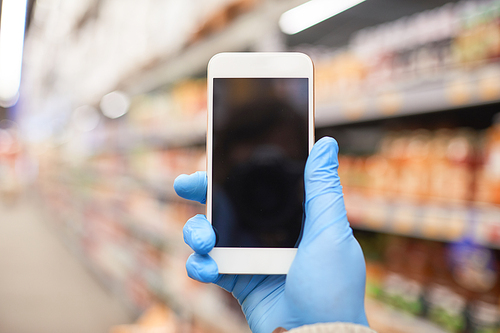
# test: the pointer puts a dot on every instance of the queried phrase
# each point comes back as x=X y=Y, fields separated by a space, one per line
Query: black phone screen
x=260 y=147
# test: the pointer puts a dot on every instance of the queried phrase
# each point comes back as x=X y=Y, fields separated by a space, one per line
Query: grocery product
x=452 y=285
x=394 y=284
x=488 y=184
x=446 y=301
x=475 y=269
x=484 y=312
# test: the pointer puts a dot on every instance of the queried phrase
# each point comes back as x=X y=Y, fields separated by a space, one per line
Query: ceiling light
x=311 y=13
x=12 y=25
x=115 y=104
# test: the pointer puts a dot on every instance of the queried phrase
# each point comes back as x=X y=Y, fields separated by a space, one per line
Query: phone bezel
x=255 y=65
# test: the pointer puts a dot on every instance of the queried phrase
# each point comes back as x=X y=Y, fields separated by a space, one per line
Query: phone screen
x=260 y=147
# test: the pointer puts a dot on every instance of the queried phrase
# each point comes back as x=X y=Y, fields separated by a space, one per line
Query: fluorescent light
x=311 y=13
x=12 y=25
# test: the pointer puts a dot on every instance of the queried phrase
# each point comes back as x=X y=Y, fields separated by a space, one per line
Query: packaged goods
x=394 y=283
x=445 y=166
x=484 y=312
x=446 y=301
x=488 y=183
x=439 y=162
x=475 y=269
x=460 y=172
x=424 y=47
x=417 y=276
x=414 y=177
x=455 y=286
x=157 y=318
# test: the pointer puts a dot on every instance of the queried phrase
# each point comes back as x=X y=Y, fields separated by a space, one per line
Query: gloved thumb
x=324 y=202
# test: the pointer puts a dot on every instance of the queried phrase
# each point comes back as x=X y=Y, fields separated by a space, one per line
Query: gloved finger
x=201 y=267
x=192 y=187
x=199 y=234
x=324 y=201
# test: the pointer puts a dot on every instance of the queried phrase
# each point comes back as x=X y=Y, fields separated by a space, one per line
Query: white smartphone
x=260 y=132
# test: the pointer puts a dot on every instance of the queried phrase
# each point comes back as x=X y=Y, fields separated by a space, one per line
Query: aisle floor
x=43 y=287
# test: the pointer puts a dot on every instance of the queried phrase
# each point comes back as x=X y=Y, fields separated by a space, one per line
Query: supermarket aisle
x=43 y=288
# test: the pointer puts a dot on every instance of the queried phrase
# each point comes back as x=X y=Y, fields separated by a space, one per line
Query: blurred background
x=106 y=104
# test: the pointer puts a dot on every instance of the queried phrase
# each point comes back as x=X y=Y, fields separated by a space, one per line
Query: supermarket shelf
x=451 y=89
x=433 y=220
x=244 y=33
x=184 y=133
x=154 y=230
x=112 y=280
x=163 y=191
x=383 y=318
x=144 y=233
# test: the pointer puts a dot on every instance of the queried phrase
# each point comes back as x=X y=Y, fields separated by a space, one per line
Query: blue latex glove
x=326 y=282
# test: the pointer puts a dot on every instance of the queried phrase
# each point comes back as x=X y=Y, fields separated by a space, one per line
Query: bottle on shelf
x=488 y=184
x=484 y=311
x=446 y=301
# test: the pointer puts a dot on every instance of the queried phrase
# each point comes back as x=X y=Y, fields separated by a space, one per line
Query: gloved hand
x=326 y=282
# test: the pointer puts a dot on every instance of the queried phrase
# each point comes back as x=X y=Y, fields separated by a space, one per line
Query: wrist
x=328 y=328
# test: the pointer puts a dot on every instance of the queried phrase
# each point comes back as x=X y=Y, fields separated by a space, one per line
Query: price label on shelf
x=404 y=218
x=487 y=229
x=434 y=220
x=457 y=224
x=376 y=216
x=489 y=83
x=390 y=102
x=459 y=91
x=354 y=108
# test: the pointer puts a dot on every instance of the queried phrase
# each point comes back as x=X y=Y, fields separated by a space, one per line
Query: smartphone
x=260 y=131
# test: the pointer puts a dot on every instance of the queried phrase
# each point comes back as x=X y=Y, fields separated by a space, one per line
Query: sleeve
x=328 y=328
